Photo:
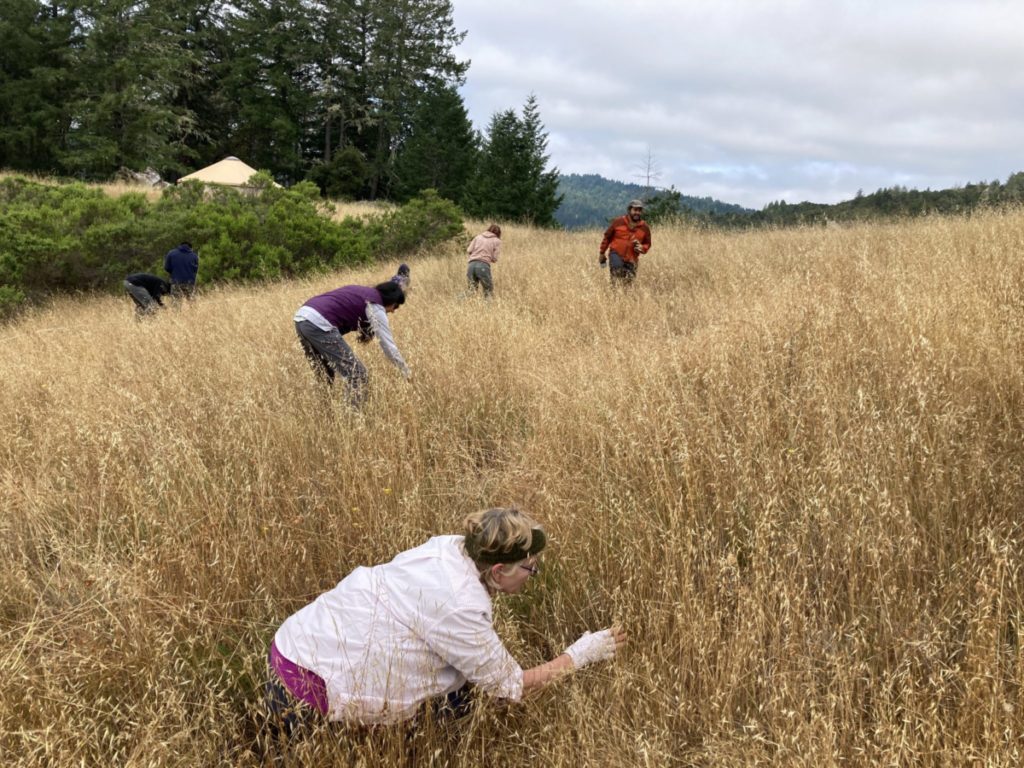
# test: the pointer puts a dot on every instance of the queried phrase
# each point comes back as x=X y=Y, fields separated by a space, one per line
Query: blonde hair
x=493 y=531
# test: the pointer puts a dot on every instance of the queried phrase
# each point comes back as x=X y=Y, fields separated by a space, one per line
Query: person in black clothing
x=146 y=290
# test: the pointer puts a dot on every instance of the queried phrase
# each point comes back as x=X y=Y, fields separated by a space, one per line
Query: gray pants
x=479 y=273
x=621 y=271
x=144 y=303
x=328 y=354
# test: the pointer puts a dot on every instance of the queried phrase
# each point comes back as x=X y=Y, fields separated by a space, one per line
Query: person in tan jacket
x=484 y=250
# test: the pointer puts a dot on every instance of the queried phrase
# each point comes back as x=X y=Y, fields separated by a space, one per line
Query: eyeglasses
x=533 y=570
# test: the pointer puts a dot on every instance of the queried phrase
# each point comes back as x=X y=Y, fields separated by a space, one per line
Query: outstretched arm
x=590 y=648
x=382 y=330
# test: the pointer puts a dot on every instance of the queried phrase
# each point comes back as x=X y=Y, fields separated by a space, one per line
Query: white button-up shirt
x=390 y=637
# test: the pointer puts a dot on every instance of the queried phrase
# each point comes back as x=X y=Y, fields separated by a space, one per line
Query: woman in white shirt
x=387 y=639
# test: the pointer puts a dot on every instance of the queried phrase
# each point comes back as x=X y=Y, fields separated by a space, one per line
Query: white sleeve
x=467 y=641
x=378 y=318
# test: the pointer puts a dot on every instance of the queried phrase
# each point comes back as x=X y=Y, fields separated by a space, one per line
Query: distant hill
x=591 y=200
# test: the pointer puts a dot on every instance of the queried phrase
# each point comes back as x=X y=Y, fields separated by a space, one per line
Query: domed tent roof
x=229 y=172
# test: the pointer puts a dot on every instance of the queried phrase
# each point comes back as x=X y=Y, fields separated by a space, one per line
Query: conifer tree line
x=359 y=96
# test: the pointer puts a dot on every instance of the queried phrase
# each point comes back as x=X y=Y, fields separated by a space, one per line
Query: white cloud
x=752 y=101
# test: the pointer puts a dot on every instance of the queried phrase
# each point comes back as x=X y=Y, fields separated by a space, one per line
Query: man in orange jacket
x=626 y=238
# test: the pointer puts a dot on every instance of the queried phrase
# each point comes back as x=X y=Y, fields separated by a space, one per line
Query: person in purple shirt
x=322 y=322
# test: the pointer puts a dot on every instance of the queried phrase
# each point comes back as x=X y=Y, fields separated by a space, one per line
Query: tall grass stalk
x=790 y=463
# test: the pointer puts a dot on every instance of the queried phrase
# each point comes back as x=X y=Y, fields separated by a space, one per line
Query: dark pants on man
x=328 y=354
x=622 y=271
x=183 y=290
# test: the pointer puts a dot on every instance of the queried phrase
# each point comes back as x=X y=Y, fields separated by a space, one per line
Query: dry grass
x=360 y=210
x=112 y=188
x=790 y=463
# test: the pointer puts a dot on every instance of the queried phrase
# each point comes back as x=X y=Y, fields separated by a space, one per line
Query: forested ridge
x=591 y=200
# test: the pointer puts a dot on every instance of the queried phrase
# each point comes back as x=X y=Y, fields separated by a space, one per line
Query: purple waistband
x=308 y=687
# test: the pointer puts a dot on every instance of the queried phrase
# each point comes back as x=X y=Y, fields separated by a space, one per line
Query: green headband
x=513 y=555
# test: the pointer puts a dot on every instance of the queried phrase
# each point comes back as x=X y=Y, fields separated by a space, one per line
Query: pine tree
x=270 y=78
x=542 y=185
x=37 y=76
x=441 y=150
x=130 y=67
x=376 y=61
x=511 y=180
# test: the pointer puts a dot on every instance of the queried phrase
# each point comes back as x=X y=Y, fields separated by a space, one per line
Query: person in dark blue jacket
x=182 y=264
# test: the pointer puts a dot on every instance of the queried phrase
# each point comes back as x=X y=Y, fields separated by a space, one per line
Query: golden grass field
x=790 y=463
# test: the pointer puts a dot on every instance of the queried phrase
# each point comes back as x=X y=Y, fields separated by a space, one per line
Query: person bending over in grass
x=146 y=290
x=393 y=640
x=484 y=250
x=322 y=322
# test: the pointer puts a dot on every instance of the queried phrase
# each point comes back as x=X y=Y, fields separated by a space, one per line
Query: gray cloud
x=750 y=101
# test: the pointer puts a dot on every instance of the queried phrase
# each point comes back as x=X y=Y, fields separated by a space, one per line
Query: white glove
x=591 y=648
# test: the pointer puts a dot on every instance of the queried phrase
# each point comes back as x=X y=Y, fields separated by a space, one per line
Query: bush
x=424 y=222
x=72 y=237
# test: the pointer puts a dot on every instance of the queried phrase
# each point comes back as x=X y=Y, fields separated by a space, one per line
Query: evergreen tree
x=512 y=180
x=203 y=34
x=130 y=68
x=441 y=150
x=410 y=53
x=36 y=78
x=270 y=77
x=543 y=198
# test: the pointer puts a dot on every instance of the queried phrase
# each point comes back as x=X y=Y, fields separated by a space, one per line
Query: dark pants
x=183 y=290
x=287 y=717
x=328 y=354
x=621 y=271
x=479 y=274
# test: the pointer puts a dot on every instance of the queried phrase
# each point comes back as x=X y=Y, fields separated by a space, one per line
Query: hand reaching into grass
x=593 y=647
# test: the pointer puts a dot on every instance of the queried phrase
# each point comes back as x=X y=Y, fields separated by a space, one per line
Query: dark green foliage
x=345 y=176
x=129 y=69
x=36 y=82
x=270 y=81
x=441 y=150
x=512 y=181
x=425 y=220
x=665 y=205
x=72 y=237
x=90 y=86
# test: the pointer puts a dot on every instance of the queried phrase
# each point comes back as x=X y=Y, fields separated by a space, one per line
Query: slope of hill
x=591 y=200
x=790 y=462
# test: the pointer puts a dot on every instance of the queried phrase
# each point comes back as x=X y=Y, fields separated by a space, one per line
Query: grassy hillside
x=790 y=463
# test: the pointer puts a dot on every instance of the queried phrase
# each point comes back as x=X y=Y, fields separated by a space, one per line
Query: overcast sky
x=751 y=101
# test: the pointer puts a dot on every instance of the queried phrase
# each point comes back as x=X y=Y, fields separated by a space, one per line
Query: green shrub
x=424 y=222
x=72 y=237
